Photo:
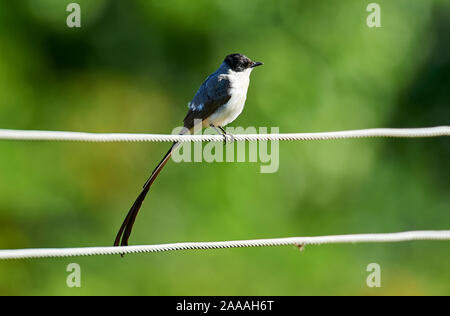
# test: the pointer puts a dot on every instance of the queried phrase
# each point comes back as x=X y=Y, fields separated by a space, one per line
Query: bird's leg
x=226 y=134
x=222 y=132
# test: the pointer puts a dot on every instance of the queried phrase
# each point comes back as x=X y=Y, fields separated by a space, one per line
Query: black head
x=239 y=62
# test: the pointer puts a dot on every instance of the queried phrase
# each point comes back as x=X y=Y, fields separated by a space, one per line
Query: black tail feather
x=127 y=225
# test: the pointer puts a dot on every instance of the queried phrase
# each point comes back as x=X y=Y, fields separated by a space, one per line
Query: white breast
x=228 y=112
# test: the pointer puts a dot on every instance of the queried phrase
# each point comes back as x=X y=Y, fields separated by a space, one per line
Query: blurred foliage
x=134 y=65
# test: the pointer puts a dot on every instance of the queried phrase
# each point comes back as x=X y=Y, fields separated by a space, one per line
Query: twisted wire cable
x=438 y=131
x=293 y=241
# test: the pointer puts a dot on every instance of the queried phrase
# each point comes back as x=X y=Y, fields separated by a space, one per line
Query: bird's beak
x=256 y=64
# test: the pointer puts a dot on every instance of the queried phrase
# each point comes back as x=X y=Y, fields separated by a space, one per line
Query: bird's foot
x=228 y=138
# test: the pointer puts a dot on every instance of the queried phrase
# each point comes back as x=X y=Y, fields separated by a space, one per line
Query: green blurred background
x=134 y=65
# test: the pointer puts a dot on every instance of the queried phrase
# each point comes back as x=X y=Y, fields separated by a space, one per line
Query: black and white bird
x=218 y=102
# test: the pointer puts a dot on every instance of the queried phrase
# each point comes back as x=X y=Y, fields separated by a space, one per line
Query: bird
x=218 y=102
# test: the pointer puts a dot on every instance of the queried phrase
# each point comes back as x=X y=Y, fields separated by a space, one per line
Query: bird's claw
x=228 y=138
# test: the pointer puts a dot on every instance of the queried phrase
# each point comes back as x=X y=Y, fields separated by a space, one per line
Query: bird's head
x=239 y=62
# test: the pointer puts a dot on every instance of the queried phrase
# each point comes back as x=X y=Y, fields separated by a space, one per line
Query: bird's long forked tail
x=127 y=225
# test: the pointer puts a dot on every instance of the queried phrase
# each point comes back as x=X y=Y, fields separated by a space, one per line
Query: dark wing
x=213 y=93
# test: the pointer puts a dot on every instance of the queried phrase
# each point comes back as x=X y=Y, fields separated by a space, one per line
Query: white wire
x=296 y=241
x=115 y=137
